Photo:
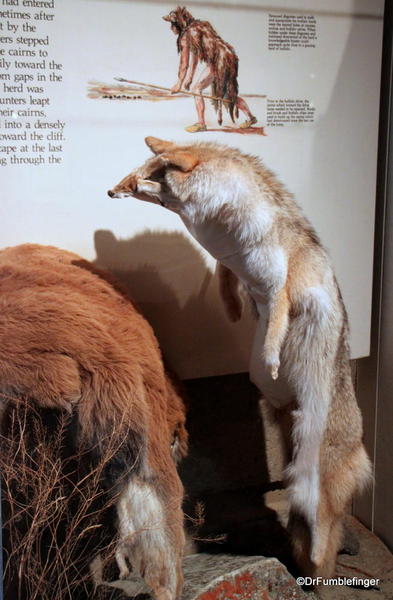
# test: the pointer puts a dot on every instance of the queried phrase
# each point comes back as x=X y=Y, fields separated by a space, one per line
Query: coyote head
x=154 y=180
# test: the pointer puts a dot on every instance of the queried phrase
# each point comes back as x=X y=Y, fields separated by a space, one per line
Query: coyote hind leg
x=331 y=529
x=316 y=548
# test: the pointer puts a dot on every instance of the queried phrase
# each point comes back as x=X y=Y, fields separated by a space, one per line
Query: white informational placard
x=309 y=71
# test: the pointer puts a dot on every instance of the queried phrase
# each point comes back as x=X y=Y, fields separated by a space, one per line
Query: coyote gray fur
x=239 y=211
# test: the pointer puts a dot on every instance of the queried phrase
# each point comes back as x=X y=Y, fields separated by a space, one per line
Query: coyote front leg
x=277 y=327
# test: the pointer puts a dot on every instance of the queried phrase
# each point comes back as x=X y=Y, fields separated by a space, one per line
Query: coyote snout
x=137 y=187
x=126 y=187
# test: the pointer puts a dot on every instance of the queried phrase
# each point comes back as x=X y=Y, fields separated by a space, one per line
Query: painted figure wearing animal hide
x=198 y=42
x=241 y=214
x=70 y=340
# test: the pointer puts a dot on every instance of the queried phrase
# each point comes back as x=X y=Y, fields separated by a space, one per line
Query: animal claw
x=124 y=573
x=272 y=363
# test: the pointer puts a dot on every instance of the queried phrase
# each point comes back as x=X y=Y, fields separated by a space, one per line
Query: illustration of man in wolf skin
x=197 y=42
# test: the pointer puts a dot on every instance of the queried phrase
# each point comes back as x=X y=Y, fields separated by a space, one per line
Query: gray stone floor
x=232 y=577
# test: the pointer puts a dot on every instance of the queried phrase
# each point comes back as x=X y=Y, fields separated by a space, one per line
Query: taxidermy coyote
x=250 y=223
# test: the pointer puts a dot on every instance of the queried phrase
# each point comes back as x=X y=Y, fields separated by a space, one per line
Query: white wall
x=329 y=165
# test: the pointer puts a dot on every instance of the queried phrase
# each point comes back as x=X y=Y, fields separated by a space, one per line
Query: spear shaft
x=165 y=89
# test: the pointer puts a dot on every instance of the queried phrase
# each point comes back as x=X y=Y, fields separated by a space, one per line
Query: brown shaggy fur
x=69 y=340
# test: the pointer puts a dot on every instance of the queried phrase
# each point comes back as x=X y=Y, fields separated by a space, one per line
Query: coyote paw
x=124 y=573
x=272 y=363
x=148 y=187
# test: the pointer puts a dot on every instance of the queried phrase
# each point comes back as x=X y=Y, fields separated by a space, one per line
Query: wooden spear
x=165 y=89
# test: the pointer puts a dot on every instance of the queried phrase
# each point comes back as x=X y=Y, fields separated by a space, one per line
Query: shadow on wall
x=169 y=281
x=227 y=467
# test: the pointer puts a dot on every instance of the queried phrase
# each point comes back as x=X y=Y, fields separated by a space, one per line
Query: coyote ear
x=158 y=146
x=186 y=161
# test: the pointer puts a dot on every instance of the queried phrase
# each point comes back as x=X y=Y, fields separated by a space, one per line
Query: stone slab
x=232 y=577
x=227 y=577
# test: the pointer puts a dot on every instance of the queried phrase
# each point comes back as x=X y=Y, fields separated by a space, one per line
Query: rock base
x=227 y=577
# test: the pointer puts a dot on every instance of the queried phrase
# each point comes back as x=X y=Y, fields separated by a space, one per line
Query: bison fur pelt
x=72 y=342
